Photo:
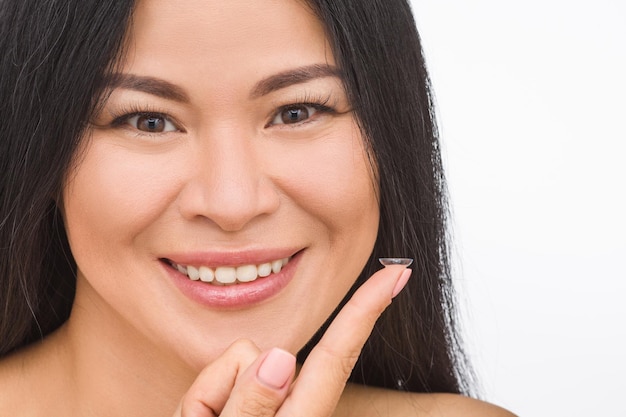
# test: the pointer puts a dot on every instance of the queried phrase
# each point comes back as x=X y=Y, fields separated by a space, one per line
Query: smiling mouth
x=230 y=275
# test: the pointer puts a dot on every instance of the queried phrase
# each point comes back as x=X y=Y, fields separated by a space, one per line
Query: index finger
x=326 y=370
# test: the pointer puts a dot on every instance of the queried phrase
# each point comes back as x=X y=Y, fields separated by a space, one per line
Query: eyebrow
x=294 y=76
x=145 y=84
x=169 y=91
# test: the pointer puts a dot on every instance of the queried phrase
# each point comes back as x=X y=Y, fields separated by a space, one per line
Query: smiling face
x=226 y=148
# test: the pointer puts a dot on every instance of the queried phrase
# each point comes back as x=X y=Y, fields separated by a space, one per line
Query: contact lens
x=395 y=261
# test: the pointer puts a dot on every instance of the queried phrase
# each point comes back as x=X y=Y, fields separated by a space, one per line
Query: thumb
x=263 y=387
x=240 y=383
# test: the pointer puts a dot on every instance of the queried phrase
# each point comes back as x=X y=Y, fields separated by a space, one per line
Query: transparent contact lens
x=395 y=261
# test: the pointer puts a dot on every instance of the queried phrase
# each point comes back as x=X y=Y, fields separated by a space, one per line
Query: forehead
x=225 y=40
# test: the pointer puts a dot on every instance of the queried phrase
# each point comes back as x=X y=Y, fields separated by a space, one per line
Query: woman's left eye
x=151 y=123
x=298 y=113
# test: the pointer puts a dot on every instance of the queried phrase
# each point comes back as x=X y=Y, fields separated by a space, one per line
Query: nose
x=227 y=183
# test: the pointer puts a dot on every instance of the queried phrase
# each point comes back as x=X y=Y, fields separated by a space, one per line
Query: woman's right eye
x=143 y=122
x=149 y=123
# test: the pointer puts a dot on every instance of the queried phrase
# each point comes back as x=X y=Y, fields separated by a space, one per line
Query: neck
x=113 y=370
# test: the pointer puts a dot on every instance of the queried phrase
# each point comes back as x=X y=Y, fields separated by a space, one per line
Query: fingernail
x=404 y=278
x=277 y=368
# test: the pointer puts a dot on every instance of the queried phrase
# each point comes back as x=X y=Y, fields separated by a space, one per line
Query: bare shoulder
x=376 y=402
x=452 y=405
x=11 y=385
x=23 y=382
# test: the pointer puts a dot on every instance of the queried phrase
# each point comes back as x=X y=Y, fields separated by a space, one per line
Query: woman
x=193 y=191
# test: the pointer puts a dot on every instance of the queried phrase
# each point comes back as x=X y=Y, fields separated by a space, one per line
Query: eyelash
x=124 y=114
x=319 y=104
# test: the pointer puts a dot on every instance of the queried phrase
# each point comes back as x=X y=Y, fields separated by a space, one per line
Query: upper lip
x=229 y=258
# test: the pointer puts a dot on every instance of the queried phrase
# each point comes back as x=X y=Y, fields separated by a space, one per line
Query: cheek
x=111 y=195
x=332 y=180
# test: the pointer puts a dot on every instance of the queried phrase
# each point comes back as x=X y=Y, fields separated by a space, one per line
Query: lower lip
x=235 y=295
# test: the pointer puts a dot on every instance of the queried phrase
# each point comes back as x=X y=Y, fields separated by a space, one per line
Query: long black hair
x=416 y=344
x=55 y=55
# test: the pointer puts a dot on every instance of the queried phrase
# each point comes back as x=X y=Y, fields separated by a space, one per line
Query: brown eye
x=151 y=123
x=293 y=114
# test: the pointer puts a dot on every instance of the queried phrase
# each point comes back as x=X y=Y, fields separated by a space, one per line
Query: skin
x=225 y=179
x=224 y=176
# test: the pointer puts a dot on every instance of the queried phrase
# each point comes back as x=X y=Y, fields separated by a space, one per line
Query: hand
x=244 y=381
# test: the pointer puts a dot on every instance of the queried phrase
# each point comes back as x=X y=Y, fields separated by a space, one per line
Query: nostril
x=230 y=204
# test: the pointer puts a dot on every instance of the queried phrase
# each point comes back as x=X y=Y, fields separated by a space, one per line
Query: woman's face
x=227 y=147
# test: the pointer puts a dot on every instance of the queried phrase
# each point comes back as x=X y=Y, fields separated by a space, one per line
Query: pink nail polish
x=404 y=278
x=277 y=368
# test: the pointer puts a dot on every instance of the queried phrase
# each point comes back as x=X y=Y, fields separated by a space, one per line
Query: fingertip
x=402 y=281
x=391 y=279
x=277 y=369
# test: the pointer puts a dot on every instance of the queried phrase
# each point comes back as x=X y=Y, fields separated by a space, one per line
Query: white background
x=532 y=104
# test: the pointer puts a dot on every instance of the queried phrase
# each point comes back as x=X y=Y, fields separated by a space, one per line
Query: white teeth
x=227 y=275
x=264 y=269
x=277 y=266
x=193 y=273
x=246 y=273
x=206 y=274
